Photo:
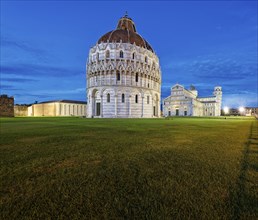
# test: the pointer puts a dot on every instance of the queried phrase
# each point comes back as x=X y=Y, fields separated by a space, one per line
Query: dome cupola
x=126 y=23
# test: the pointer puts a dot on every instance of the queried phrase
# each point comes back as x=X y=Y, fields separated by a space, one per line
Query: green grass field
x=77 y=168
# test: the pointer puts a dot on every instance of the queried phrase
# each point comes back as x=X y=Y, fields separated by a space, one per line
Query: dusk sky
x=44 y=45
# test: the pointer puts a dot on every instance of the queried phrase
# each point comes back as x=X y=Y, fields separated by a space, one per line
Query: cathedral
x=186 y=102
x=123 y=75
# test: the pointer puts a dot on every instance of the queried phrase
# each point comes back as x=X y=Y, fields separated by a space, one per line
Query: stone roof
x=64 y=101
x=125 y=33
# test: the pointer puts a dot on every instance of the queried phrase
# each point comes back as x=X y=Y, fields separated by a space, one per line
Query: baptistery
x=123 y=75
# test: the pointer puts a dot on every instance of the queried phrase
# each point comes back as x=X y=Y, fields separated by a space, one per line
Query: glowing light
x=226 y=110
x=241 y=109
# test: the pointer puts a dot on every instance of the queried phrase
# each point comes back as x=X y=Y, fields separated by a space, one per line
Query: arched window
x=108 y=97
x=133 y=56
x=97 y=56
x=107 y=54
x=123 y=98
x=118 y=76
x=136 y=77
x=146 y=59
x=121 y=54
x=136 y=98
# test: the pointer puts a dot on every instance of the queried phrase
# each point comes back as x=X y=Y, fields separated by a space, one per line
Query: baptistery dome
x=123 y=75
x=125 y=33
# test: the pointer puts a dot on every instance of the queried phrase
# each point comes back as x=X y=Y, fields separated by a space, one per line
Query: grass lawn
x=182 y=168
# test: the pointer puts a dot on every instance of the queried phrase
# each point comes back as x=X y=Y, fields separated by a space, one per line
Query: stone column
x=152 y=106
x=129 y=105
x=158 y=108
x=115 y=105
x=101 y=106
x=92 y=106
x=125 y=76
x=142 y=106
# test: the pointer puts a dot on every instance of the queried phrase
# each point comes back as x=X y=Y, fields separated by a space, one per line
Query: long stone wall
x=20 y=110
x=57 y=109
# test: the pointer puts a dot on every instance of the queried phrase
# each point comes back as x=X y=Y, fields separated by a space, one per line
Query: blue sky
x=44 y=45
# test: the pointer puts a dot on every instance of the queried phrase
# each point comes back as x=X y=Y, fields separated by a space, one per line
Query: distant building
x=58 y=108
x=6 y=106
x=183 y=102
x=21 y=110
x=247 y=111
x=251 y=111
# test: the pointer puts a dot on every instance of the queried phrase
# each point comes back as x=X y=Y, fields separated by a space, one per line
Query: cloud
x=17 y=80
x=216 y=68
x=63 y=92
x=31 y=95
x=21 y=45
x=39 y=70
x=8 y=88
x=236 y=100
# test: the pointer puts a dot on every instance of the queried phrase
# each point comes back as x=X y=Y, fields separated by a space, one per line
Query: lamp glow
x=226 y=110
x=241 y=109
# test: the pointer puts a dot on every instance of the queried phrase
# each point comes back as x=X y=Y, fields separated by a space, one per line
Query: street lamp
x=226 y=110
x=241 y=110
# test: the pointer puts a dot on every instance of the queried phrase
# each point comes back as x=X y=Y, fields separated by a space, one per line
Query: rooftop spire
x=126 y=23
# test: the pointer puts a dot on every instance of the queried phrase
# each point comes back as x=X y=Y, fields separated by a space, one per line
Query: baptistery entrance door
x=95 y=103
x=97 y=109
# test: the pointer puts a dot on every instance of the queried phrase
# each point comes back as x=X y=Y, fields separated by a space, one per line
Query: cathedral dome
x=125 y=33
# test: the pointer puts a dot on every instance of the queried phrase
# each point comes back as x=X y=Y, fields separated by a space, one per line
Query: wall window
x=148 y=99
x=108 y=97
x=136 y=77
x=97 y=56
x=133 y=56
x=148 y=85
x=136 y=98
x=146 y=59
x=107 y=54
x=118 y=76
x=121 y=54
x=123 y=98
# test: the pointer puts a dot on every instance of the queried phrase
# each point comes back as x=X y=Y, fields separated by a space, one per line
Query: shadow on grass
x=243 y=200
